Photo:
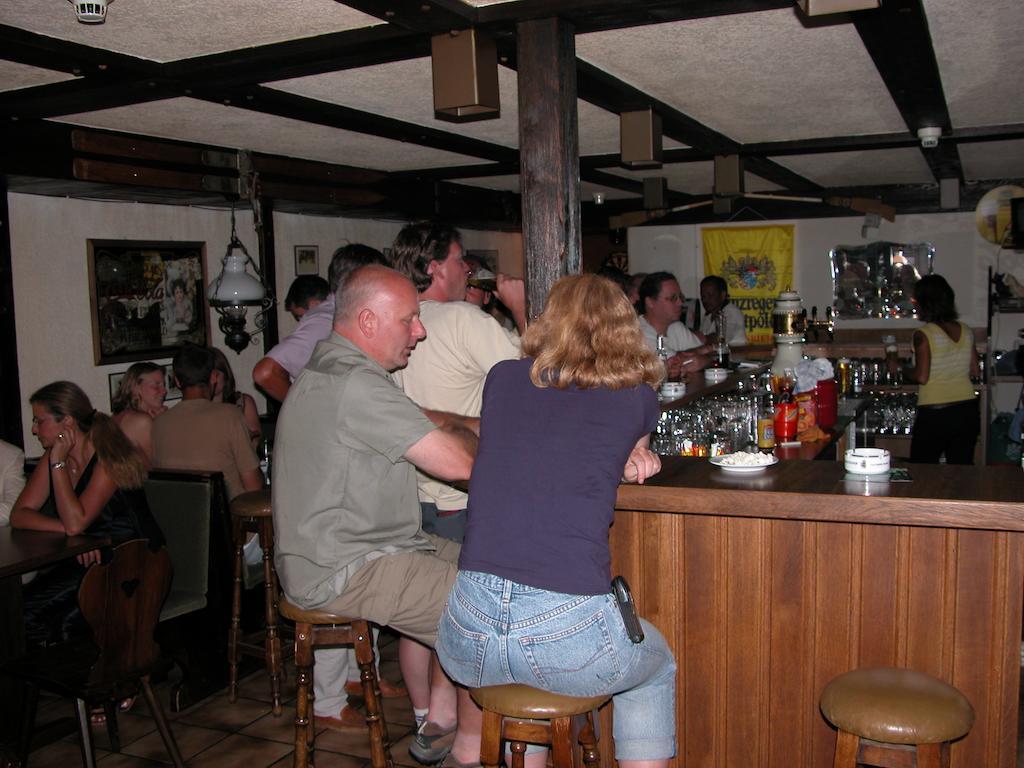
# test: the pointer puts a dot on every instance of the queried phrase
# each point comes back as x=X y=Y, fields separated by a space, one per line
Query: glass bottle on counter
x=766 y=423
x=720 y=358
x=662 y=353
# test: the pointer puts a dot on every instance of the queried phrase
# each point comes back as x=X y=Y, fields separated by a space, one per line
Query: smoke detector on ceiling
x=91 y=11
x=929 y=136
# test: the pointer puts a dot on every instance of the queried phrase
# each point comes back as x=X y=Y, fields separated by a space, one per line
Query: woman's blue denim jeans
x=494 y=632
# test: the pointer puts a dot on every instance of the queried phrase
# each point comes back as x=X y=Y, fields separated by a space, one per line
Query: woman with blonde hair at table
x=140 y=399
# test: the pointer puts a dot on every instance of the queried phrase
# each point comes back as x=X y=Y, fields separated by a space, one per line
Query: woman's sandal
x=99 y=717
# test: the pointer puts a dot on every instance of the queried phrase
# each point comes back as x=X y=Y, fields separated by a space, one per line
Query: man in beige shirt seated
x=447 y=369
x=201 y=435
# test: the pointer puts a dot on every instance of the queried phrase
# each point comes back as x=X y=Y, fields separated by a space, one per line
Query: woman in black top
x=89 y=480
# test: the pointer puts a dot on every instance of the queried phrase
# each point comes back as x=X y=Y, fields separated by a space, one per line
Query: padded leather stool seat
x=895 y=709
x=319 y=628
x=511 y=713
x=251 y=513
x=252 y=504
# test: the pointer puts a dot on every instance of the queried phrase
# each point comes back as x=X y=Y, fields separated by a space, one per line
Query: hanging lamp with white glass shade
x=234 y=290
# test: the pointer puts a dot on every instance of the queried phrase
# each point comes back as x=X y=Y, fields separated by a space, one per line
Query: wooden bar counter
x=768 y=585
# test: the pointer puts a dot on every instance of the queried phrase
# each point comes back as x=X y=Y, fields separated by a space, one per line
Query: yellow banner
x=757 y=264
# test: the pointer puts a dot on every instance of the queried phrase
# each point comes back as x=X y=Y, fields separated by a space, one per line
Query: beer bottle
x=766 y=424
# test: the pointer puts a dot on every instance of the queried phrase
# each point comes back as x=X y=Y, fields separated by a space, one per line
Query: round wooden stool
x=251 y=512
x=317 y=628
x=512 y=712
x=886 y=715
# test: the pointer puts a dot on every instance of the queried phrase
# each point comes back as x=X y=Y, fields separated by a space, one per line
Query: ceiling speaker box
x=640 y=139
x=823 y=7
x=728 y=175
x=465 y=69
x=655 y=192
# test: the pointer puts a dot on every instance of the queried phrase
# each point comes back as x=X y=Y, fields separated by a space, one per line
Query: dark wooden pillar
x=10 y=387
x=549 y=172
x=268 y=265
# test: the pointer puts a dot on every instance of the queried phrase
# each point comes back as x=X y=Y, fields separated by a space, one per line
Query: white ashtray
x=673 y=390
x=867 y=461
x=715 y=375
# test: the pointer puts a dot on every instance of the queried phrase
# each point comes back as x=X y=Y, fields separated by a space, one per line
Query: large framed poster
x=146 y=298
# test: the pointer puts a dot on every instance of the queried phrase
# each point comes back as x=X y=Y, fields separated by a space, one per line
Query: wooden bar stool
x=895 y=718
x=316 y=628
x=515 y=713
x=251 y=513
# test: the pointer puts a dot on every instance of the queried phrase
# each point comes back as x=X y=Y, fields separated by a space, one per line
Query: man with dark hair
x=346 y=519
x=201 y=435
x=305 y=292
x=447 y=370
x=275 y=373
x=714 y=296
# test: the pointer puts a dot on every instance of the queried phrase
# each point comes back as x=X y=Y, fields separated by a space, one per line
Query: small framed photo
x=307 y=260
x=114 y=383
x=173 y=393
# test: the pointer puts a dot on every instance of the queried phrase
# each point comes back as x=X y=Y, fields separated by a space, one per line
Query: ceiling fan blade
x=859 y=204
x=864 y=205
x=633 y=218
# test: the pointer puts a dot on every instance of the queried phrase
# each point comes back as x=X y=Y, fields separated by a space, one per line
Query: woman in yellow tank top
x=944 y=362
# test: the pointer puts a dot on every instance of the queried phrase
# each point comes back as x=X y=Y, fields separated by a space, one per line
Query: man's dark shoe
x=432 y=743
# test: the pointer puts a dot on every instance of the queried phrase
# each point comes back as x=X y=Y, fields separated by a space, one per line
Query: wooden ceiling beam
x=616 y=96
x=271 y=102
x=52 y=53
x=896 y=37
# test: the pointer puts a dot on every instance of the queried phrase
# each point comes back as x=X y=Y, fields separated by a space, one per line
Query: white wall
x=50 y=273
x=51 y=293
x=961 y=255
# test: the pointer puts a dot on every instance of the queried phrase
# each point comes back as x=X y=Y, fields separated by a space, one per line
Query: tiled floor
x=216 y=732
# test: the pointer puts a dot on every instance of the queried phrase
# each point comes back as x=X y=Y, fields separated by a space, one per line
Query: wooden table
x=768 y=585
x=21 y=552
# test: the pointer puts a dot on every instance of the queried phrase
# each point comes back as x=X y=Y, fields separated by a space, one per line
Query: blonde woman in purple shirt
x=532 y=602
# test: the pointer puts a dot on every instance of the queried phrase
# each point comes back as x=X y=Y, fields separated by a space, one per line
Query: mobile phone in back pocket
x=624 y=599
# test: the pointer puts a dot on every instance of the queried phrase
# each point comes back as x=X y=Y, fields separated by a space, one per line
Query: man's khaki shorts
x=406 y=592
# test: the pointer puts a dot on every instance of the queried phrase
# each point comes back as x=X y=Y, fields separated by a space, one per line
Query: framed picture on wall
x=173 y=393
x=307 y=260
x=146 y=298
x=114 y=383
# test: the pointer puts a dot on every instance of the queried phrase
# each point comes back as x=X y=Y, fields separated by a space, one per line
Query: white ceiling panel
x=403 y=90
x=981 y=59
x=854 y=169
x=754 y=76
x=165 y=30
x=193 y=120
x=13 y=75
x=993 y=160
x=692 y=178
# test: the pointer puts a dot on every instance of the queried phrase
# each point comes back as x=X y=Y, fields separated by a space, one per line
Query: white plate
x=741 y=469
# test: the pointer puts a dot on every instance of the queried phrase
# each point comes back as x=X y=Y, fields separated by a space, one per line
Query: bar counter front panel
x=768 y=585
